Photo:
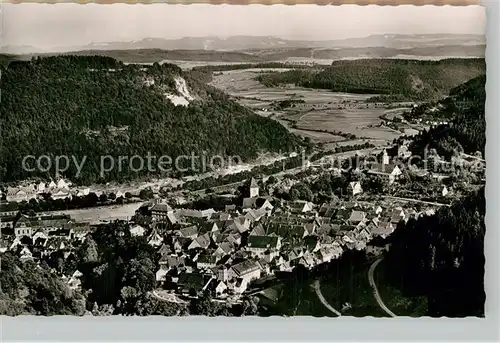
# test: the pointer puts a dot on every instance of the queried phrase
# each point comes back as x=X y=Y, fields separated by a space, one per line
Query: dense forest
x=442 y=257
x=465 y=105
x=401 y=79
x=27 y=288
x=96 y=106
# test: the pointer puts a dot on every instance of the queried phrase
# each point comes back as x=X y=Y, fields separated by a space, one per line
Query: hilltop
x=242 y=42
x=465 y=106
x=96 y=106
x=398 y=79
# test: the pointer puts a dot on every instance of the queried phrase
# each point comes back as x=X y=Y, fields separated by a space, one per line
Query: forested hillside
x=465 y=107
x=401 y=79
x=442 y=257
x=30 y=289
x=96 y=106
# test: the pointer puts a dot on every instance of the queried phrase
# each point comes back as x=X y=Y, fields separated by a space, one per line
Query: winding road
x=317 y=289
x=375 y=290
x=168 y=297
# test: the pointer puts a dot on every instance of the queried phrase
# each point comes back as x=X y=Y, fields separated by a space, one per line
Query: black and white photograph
x=172 y=160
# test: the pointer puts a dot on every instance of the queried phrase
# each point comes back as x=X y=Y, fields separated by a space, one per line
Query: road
x=416 y=200
x=375 y=290
x=168 y=297
x=316 y=286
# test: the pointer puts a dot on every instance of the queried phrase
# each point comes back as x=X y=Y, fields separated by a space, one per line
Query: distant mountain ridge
x=235 y=43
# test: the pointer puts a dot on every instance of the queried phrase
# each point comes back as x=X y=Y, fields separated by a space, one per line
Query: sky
x=45 y=26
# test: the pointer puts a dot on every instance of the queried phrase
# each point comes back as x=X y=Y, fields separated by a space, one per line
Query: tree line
x=394 y=79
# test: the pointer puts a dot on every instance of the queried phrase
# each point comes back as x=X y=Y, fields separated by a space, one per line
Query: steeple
x=253 y=188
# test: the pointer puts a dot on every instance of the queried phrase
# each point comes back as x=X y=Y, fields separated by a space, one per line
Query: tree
x=146 y=194
x=250 y=306
x=103 y=198
x=88 y=251
x=373 y=184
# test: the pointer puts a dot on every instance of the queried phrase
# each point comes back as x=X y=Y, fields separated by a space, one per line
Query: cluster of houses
x=60 y=189
x=223 y=252
x=35 y=237
x=57 y=190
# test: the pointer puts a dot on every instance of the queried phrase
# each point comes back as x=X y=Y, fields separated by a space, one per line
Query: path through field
x=316 y=286
x=375 y=290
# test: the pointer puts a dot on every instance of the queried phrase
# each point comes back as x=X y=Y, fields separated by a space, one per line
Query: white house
x=74 y=282
x=61 y=184
x=445 y=191
x=389 y=171
x=385 y=157
x=220 y=289
x=61 y=194
x=161 y=274
x=137 y=230
x=83 y=192
x=258 y=245
x=247 y=270
x=40 y=187
x=355 y=188
x=25 y=254
x=155 y=239
x=254 y=188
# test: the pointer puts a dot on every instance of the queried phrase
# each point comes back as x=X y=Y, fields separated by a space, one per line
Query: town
x=265 y=228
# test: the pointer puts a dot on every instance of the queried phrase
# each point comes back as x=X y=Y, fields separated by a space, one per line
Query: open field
x=96 y=215
x=318 y=114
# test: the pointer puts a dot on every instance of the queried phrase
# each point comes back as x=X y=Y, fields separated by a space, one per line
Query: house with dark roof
x=162 y=212
x=189 y=232
x=328 y=210
x=200 y=242
x=383 y=229
x=258 y=245
x=192 y=283
x=27 y=226
x=223 y=249
x=206 y=261
x=247 y=270
x=172 y=261
x=391 y=172
x=397 y=215
x=300 y=206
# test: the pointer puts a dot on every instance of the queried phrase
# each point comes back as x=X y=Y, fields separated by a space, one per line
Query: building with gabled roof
x=155 y=239
x=356 y=217
x=389 y=171
x=137 y=230
x=200 y=242
x=253 y=188
x=206 y=261
x=300 y=206
x=162 y=212
x=355 y=188
x=258 y=245
x=258 y=230
x=247 y=270
x=189 y=232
